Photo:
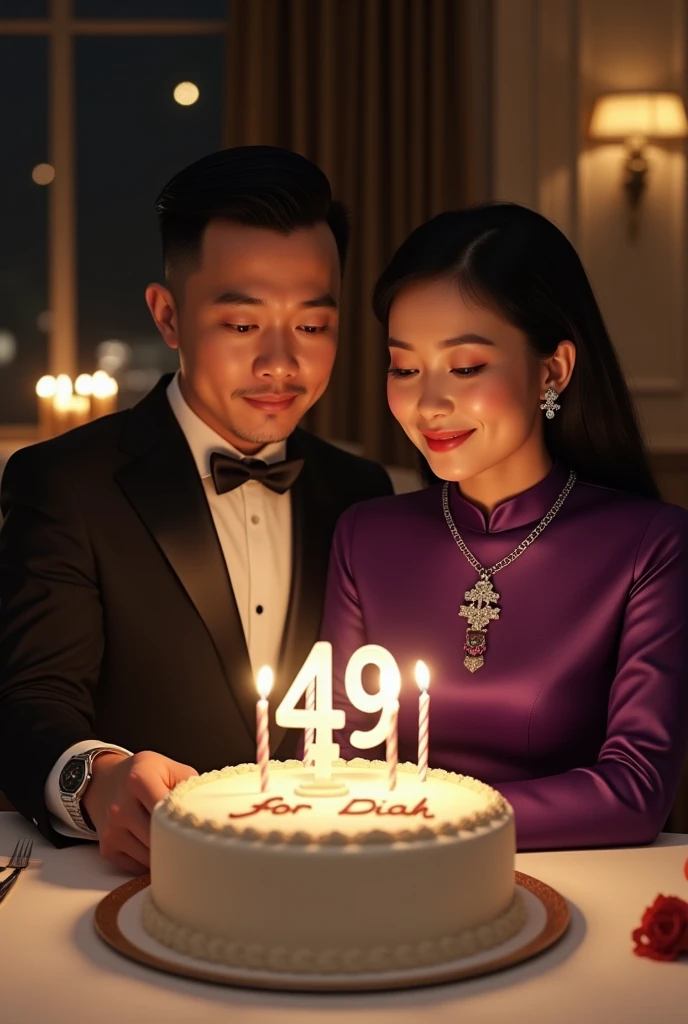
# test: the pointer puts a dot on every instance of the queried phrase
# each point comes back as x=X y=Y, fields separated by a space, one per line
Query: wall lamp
x=636 y=118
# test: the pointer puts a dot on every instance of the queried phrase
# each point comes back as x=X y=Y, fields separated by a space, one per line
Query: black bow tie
x=229 y=473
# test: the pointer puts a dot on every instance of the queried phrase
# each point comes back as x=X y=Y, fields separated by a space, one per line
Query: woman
x=562 y=678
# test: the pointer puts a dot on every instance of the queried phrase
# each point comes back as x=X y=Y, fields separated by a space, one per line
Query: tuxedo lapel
x=161 y=482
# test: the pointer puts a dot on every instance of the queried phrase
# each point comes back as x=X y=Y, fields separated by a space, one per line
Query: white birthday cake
x=370 y=880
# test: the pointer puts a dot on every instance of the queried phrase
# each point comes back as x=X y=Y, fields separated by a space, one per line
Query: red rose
x=663 y=934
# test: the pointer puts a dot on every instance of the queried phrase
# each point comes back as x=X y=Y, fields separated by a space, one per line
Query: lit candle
x=264 y=685
x=70 y=411
x=80 y=411
x=423 y=680
x=63 y=386
x=103 y=394
x=45 y=391
x=62 y=402
x=390 y=686
x=83 y=387
x=372 y=702
x=313 y=685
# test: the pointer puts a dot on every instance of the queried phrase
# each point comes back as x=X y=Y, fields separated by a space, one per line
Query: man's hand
x=119 y=800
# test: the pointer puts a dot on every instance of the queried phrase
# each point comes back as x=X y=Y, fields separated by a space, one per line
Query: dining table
x=55 y=968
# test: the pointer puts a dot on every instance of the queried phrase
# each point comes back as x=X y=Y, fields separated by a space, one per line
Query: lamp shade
x=620 y=115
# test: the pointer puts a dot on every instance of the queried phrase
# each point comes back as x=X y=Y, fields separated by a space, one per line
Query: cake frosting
x=367 y=880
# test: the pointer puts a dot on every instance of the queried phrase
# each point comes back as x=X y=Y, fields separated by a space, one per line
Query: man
x=146 y=572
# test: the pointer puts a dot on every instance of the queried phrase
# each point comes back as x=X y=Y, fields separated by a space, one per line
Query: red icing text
x=361 y=805
x=273 y=805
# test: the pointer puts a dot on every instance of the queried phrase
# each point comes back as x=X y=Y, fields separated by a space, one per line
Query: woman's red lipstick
x=445 y=440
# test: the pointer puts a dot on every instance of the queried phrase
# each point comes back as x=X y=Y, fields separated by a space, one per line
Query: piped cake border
x=334 y=961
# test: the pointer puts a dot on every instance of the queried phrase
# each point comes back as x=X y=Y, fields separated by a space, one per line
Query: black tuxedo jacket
x=117 y=617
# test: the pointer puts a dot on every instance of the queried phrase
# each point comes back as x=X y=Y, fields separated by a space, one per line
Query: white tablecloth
x=54 y=968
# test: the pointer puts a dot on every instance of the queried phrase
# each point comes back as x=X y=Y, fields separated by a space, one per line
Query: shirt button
x=255 y=519
x=259 y=609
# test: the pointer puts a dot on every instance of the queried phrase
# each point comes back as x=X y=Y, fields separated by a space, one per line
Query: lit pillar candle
x=62 y=404
x=70 y=411
x=45 y=390
x=83 y=386
x=390 y=686
x=103 y=394
x=81 y=400
x=263 y=685
x=423 y=680
x=79 y=411
x=63 y=386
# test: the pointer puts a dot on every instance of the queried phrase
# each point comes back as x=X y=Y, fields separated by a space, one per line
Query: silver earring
x=550 y=404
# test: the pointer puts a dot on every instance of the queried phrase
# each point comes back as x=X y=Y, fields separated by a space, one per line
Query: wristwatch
x=74 y=778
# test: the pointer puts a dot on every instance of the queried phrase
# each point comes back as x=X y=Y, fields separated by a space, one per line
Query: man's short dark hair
x=260 y=186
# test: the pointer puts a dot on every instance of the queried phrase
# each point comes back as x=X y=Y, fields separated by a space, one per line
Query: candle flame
x=390 y=682
x=264 y=681
x=63 y=386
x=422 y=676
x=83 y=385
x=103 y=384
x=46 y=387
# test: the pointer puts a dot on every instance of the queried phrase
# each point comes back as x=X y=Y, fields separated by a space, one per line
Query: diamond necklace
x=482 y=597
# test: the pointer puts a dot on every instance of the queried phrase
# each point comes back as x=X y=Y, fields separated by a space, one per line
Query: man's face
x=256 y=327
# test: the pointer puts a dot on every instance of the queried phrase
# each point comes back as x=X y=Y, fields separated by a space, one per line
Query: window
x=23 y=252
x=131 y=138
x=80 y=236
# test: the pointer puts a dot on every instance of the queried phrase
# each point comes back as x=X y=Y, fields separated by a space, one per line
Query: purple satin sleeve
x=625 y=798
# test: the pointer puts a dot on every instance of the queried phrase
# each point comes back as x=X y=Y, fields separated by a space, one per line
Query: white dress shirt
x=253 y=525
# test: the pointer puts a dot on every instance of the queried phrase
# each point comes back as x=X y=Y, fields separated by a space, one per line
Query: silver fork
x=15 y=854
x=18 y=862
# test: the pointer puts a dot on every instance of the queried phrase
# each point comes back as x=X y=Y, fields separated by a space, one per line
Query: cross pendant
x=479 y=614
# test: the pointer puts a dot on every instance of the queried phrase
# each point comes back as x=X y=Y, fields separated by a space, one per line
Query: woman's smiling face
x=463 y=382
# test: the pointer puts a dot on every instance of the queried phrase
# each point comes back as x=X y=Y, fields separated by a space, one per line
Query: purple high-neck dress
x=579 y=715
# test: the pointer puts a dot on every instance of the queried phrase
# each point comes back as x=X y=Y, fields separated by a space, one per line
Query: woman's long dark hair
x=518 y=263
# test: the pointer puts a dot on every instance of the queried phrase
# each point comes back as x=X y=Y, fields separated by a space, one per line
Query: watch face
x=72 y=775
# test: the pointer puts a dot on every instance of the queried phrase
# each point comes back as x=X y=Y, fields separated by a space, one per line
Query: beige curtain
x=375 y=92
